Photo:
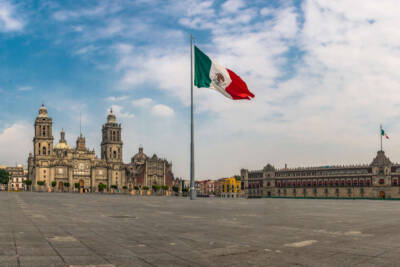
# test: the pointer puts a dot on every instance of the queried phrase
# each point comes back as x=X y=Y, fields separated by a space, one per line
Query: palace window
x=395 y=182
x=361 y=182
x=44 y=150
x=326 y=191
x=362 y=191
x=355 y=182
x=381 y=181
x=368 y=182
x=342 y=182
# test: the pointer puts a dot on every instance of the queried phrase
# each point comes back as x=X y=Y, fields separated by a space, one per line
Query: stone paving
x=69 y=229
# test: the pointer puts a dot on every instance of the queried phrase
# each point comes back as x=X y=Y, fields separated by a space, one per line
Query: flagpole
x=192 y=188
x=380 y=134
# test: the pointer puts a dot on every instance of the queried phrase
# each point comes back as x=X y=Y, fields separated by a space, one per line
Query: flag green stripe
x=202 y=66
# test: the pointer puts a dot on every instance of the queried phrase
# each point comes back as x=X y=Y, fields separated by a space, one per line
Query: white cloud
x=86 y=50
x=123 y=48
x=266 y=11
x=117 y=98
x=232 y=6
x=25 y=88
x=118 y=111
x=162 y=111
x=16 y=140
x=143 y=102
x=10 y=21
x=101 y=9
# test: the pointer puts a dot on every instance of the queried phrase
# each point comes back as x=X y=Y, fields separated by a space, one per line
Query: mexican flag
x=209 y=74
x=383 y=133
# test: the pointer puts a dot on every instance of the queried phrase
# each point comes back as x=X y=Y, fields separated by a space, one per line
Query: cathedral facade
x=61 y=166
x=379 y=179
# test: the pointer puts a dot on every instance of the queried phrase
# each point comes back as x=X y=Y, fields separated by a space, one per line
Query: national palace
x=379 y=179
x=61 y=165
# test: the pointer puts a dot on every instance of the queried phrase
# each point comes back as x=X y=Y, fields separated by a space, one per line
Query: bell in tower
x=111 y=145
x=43 y=140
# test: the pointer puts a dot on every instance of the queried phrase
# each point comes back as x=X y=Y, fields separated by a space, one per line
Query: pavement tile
x=84 y=260
x=41 y=261
x=72 y=251
x=8 y=260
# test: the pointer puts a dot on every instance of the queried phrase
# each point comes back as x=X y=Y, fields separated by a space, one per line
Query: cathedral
x=61 y=166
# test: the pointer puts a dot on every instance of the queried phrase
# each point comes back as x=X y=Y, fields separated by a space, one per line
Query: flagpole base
x=192 y=193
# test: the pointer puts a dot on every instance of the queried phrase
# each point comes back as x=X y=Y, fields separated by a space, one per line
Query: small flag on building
x=209 y=74
x=383 y=133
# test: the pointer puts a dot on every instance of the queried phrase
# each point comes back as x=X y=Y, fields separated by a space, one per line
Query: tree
x=101 y=187
x=145 y=188
x=165 y=187
x=136 y=187
x=41 y=183
x=114 y=186
x=175 y=189
x=4 y=176
x=76 y=185
x=156 y=187
x=28 y=183
x=53 y=184
x=66 y=184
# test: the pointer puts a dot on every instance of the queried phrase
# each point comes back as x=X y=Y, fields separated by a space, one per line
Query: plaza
x=71 y=229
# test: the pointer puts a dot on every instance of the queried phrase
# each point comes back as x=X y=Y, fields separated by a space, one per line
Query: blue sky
x=325 y=74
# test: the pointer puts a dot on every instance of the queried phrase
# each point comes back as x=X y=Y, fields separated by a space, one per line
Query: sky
x=325 y=75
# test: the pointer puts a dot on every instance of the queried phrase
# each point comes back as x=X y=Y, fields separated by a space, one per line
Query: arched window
x=44 y=131
x=115 y=154
x=39 y=148
x=44 y=150
x=113 y=135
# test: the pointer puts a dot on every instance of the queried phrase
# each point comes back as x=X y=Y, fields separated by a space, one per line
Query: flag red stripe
x=237 y=88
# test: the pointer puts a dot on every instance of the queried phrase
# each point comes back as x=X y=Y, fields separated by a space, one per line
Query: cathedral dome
x=111 y=117
x=43 y=111
x=140 y=157
x=62 y=144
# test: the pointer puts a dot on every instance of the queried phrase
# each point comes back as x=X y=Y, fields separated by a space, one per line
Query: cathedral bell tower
x=43 y=140
x=111 y=145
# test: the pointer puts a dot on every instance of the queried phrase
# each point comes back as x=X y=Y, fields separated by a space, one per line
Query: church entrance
x=382 y=194
x=61 y=186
